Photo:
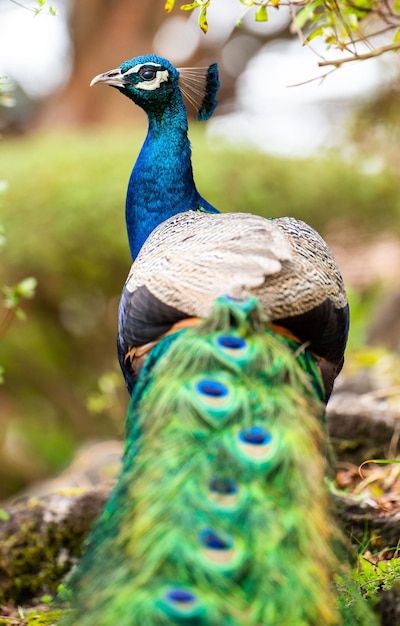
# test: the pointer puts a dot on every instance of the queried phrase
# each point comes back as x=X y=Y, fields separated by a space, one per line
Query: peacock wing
x=194 y=258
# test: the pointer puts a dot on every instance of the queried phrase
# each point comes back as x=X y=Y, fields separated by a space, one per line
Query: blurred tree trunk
x=103 y=34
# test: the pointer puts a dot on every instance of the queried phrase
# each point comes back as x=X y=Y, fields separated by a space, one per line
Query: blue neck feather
x=161 y=183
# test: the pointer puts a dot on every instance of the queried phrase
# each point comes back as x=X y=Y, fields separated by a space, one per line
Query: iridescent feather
x=221 y=515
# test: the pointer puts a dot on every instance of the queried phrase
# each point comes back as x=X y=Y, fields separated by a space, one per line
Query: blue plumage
x=161 y=184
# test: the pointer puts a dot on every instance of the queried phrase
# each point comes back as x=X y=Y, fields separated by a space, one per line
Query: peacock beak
x=113 y=77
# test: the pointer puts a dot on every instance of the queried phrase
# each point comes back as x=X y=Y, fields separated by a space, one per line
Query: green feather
x=221 y=515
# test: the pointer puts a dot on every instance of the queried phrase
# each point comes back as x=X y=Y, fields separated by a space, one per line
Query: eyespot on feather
x=223 y=492
x=233 y=347
x=180 y=596
x=226 y=486
x=256 y=435
x=219 y=550
x=182 y=603
x=214 y=397
x=212 y=388
x=256 y=443
x=231 y=342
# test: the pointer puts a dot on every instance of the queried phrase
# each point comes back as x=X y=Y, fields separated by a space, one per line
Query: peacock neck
x=161 y=183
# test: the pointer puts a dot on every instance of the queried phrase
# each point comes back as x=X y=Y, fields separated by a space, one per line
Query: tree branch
x=360 y=57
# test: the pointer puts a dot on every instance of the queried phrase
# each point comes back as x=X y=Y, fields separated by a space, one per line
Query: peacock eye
x=147 y=73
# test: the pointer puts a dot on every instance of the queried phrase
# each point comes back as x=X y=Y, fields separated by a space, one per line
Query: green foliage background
x=63 y=214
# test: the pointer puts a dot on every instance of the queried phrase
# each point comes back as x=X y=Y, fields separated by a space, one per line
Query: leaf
x=203 y=19
x=26 y=288
x=46 y=598
x=315 y=33
x=378 y=462
x=307 y=14
x=303 y=16
x=353 y=21
x=169 y=5
x=262 y=14
x=52 y=10
x=4 y=516
x=189 y=7
x=10 y=300
x=372 y=577
x=396 y=37
x=247 y=3
x=98 y=404
x=275 y=3
x=330 y=39
x=20 y=315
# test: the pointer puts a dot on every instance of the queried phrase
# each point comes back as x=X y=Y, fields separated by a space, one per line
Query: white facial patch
x=149 y=85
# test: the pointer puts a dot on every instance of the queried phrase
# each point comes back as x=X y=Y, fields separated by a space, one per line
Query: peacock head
x=153 y=83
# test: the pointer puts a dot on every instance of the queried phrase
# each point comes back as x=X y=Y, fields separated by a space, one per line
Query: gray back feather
x=194 y=257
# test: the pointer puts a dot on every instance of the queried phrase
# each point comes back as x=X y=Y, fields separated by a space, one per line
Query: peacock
x=232 y=329
x=202 y=254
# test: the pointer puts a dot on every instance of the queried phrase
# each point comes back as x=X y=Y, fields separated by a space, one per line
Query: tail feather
x=220 y=516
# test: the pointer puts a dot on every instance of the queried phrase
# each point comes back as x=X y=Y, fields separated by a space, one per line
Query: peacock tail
x=221 y=515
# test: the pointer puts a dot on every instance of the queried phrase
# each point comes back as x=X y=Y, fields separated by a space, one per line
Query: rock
x=41 y=539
